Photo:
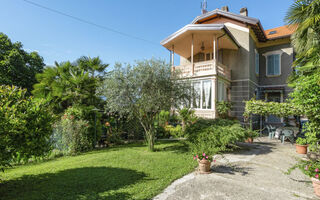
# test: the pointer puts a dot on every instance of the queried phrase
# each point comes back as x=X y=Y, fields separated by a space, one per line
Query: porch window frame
x=201 y=81
x=266 y=55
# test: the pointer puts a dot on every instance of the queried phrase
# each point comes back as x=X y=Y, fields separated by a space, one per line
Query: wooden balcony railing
x=203 y=69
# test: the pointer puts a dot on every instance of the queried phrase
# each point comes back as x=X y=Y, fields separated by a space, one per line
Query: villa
x=230 y=57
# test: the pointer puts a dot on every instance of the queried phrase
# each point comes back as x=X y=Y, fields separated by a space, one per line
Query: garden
x=80 y=130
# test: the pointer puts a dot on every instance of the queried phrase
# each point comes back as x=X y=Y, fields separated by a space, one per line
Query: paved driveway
x=256 y=173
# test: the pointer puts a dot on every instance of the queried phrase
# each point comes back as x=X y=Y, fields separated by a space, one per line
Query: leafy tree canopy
x=67 y=84
x=18 y=67
x=144 y=90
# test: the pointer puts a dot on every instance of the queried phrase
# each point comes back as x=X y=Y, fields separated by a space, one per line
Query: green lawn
x=125 y=172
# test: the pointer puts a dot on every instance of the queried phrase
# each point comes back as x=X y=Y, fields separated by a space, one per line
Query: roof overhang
x=253 y=22
x=181 y=40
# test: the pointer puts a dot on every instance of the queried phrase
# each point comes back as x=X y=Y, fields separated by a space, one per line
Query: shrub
x=215 y=136
x=25 y=126
x=71 y=133
x=175 y=131
x=187 y=117
x=223 y=108
x=309 y=168
x=301 y=141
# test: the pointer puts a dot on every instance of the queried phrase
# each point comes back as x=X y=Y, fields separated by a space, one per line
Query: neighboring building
x=230 y=57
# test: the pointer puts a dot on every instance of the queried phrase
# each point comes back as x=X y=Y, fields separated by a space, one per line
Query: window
x=202 y=94
x=273 y=65
x=196 y=95
x=222 y=92
x=257 y=63
x=206 y=94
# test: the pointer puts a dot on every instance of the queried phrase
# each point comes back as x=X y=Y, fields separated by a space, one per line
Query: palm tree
x=304 y=16
x=68 y=84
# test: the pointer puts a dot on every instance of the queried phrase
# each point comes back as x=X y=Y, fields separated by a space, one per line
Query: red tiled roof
x=280 y=32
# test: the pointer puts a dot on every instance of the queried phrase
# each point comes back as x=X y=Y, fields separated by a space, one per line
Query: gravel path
x=256 y=173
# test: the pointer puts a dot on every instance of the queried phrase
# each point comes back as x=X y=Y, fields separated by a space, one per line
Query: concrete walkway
x=256 y=173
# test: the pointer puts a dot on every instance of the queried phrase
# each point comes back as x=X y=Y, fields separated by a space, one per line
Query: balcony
x=206 y=68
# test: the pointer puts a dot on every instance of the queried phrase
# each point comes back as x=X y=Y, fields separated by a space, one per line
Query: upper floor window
x=257 y=66
x=273 y=65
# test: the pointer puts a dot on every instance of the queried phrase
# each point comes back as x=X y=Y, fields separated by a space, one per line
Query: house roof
x=200 y=27
x=280 y=32
x=253 y=22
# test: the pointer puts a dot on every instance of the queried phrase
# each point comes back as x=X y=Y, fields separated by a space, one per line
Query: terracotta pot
x=316 y=186
x=249 y=140
x=204 y=166
x=301 y=149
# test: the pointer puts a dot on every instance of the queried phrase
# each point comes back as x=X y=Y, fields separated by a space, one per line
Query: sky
x=59 y=38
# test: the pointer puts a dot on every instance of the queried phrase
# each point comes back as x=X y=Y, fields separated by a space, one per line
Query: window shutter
x=270 y=65
x=276 y=64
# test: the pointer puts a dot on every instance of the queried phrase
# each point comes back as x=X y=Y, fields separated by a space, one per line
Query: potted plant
x=301 y=145
x=311 y=169
x=251 y=134
x=204 y=162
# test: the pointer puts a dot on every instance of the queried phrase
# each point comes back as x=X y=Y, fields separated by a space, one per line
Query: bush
x=71 y=134
x=223 y=108
x=25 y=126
x=175 y=131
x=215 y=136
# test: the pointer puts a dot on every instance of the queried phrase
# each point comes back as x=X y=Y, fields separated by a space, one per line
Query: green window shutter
x=270 y=65
x=276 y=64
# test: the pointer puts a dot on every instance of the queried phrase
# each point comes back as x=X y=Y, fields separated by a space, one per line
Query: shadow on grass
x=176 y=147
x=80 y=183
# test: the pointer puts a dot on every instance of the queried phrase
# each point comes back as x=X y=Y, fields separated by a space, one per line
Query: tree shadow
x=176 y=147
x=80 y=183
x=254 y=149
x=230 y=169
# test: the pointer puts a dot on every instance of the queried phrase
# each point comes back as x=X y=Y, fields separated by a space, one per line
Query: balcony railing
x=204 y=69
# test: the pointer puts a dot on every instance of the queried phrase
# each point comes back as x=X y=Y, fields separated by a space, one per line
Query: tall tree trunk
x=150 y=135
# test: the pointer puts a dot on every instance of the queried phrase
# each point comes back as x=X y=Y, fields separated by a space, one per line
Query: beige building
x=230 y=57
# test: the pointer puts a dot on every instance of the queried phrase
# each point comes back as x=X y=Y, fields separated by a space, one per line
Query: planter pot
x=204 y=166
x=316 y=186
x=301 y=149
x=313 y=156
x=249 y=140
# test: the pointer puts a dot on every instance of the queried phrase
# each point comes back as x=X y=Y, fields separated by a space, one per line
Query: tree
x=67 y=84
x=143 y=91
x=25 y=126
x=18 y=67
x=305 y=15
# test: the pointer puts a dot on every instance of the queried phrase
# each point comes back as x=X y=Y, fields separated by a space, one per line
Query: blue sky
x=58 y=38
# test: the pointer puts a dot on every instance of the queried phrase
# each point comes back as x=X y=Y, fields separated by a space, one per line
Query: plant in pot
x=250 y=135
x=301 y=145
x=204 y=160
x=311 y=169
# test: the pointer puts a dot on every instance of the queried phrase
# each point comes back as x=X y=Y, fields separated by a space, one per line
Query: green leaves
x=18 y=67
x=69 y=84
x=25 y=126
x=259 y=107
x=142 y=91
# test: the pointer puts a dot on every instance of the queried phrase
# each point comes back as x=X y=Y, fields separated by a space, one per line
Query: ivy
x=259 y=107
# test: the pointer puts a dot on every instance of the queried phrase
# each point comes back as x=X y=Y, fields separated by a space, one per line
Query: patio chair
x=271 y=131
x=287 y=134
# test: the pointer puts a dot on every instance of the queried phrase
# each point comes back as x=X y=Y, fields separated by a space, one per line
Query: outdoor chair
x=287 y=134
x=271 y=131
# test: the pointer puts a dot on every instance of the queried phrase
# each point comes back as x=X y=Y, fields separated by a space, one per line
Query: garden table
x=280 y=129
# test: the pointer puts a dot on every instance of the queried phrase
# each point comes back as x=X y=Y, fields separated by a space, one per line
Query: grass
x=124 y=172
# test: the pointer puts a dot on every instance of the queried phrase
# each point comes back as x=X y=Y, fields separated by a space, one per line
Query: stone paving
x=255 y=173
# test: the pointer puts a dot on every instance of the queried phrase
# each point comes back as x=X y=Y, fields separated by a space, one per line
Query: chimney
x=244 y=11
x=204 y=7
x=225 y=8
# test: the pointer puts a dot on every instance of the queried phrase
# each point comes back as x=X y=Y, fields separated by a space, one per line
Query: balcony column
x=172 y=57
x=215 y=80
x=192 y=65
